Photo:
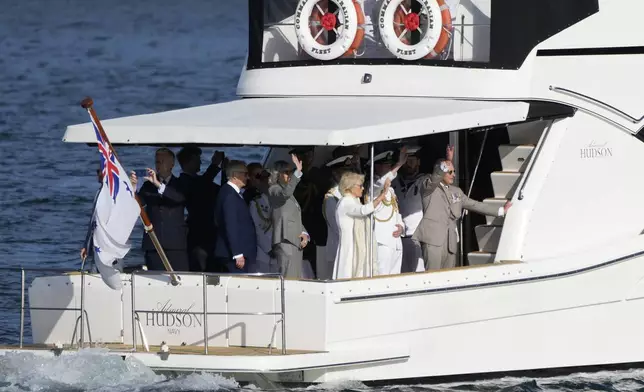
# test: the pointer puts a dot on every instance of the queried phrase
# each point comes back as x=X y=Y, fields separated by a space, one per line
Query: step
x=505 y=184
x=527 y=133
x=480 y=258
x=488 y=237
x=515 y=158
x=495 y=220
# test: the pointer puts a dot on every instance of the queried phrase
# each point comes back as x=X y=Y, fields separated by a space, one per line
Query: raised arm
x=279 y=194
x=482 y=208
x=380 y=182
x=158 y=190
x=391 y=175
x=215 y=167
x=358 y=209
x=174 y=194
x=428 y=185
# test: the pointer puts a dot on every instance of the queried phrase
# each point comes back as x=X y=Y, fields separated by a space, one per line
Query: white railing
x=205 y=311
x=82 y=320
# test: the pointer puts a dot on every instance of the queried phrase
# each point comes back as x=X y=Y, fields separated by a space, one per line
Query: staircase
x=514 y=160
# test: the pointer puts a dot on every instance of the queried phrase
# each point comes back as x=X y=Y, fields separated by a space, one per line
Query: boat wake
x=94 y=370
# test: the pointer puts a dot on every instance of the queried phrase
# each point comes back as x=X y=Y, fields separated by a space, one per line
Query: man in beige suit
x=289 y=235
x=442 y=207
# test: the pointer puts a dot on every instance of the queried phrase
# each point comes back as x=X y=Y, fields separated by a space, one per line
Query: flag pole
x=87 y=103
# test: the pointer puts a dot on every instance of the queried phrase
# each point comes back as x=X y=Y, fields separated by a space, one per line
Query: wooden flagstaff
x=87 y=103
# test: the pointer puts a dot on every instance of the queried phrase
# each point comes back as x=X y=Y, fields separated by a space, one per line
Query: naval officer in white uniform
x=408 y=187
x=388 y=223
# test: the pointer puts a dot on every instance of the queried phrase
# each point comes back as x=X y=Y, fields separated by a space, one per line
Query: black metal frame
x=517 y=28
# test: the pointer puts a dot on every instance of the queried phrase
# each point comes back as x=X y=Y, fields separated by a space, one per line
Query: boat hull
x=500 y=319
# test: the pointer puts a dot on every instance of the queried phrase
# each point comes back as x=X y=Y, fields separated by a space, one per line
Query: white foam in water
x=200 y=382
x=626 y=380
x=93 y=369
x=339 y=386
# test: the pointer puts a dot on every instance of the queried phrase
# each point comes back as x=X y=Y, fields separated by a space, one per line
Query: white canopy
x=303 y=121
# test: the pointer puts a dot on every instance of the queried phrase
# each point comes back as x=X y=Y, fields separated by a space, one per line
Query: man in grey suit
x=289 y=235
x=442 y=207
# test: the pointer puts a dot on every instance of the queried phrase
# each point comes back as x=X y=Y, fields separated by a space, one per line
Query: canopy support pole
x=371 y=228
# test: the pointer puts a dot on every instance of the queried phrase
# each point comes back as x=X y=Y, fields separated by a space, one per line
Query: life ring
x=395 y=21
x=446 y=32
x=357 y=41
x=313 y=19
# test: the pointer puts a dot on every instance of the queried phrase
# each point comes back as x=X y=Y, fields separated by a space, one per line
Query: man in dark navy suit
x=201 y=193
x=236 y=246
x=164 y=202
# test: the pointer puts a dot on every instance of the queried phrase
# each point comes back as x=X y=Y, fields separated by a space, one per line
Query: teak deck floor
x=193 y=350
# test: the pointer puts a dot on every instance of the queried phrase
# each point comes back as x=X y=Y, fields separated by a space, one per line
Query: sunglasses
x=451 y=172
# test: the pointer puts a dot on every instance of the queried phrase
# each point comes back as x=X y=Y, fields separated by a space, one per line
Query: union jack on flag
x=115 y=214
x=110 y=170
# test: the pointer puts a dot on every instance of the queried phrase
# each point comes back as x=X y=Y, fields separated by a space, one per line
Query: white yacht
x=543 y=103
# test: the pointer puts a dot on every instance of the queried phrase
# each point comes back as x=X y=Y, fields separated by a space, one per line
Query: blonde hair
x=349 y=180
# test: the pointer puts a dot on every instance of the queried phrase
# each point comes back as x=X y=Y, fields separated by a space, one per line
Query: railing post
x=283 y=316
x=84 y=318
x=205 y=314
x=22 y=306
x=370 y=235
x=133 y=313
x=82 y=310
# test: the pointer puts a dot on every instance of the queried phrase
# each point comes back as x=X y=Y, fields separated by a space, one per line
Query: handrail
x=36 y=269
x=83 y=312
x=89 y=331
x=22 y=301
x=533 y=160
x=370 y=234
x=596 y=101
x=22 y=306
x=469 y=191
x=205 y=312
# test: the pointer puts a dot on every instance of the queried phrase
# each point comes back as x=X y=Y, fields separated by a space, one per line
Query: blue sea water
x=132 y=57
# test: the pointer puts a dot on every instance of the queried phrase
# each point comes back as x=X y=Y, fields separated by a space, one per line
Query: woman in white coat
x=352 y=218
x=338 y=167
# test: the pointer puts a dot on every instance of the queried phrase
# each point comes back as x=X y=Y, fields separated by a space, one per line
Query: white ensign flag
x=115 y=215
